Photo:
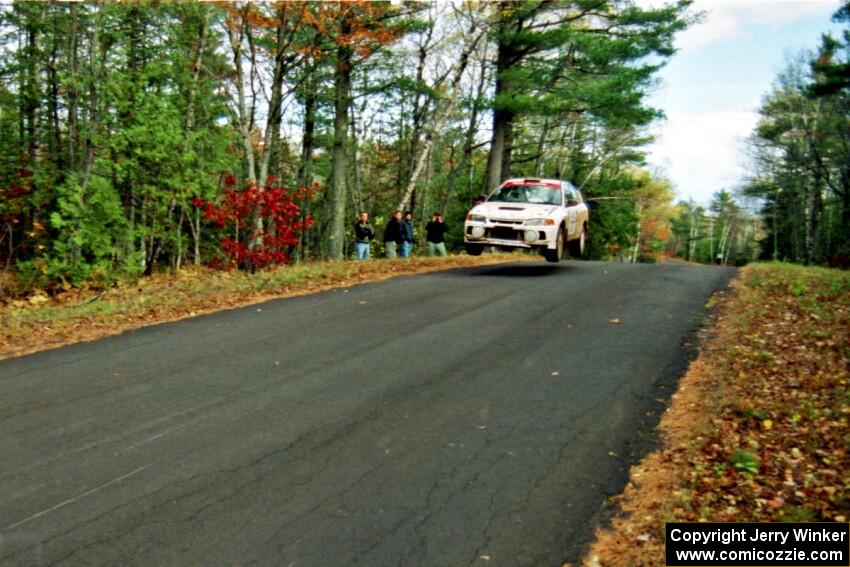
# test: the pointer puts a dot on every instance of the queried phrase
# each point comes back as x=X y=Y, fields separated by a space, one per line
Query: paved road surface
x=417 y=421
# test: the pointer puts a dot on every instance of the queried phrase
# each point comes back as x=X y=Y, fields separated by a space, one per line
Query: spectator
x=406 y=228
x=363 y=235
x=435 y=236
x=392 y=235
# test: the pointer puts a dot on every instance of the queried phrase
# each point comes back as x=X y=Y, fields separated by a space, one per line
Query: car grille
x=504 y=221
x=503 y=233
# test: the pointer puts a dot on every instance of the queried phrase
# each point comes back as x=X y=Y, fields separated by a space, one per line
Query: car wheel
x=558 y=253
x=474 y=249
x=577 y=246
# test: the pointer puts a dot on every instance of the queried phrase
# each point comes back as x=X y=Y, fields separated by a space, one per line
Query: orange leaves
x=359 y=24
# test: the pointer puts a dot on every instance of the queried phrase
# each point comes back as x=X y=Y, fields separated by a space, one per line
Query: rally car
x=547 y=214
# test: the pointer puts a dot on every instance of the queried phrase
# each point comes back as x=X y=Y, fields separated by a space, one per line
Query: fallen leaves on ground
x=758 y=430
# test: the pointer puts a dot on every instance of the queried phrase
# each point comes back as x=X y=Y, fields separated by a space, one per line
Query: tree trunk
x=499 y=161
x=55 y=142
x=637 y=236
x=305 y=176
x=273 y=125
x=813 y=209
x=355 y=182
x=189 y=124
x=32 y=92
x=244 y=117
x=541 y=144
x=473 y=127
x=844 y=239
x=501 y=147
x=178 y=237
x=195 y=227
x=711 y=239
x=441 y=118
x=72 y=88
x=420 y=108
x=272 y=128
x=339 y=159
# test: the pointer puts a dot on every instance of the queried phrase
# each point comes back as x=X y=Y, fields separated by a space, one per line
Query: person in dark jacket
x=392 y=235
x=435 y=232
x=406 y=228
x=363 y=235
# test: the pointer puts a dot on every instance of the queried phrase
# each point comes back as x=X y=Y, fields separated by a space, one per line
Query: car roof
x=523 y=180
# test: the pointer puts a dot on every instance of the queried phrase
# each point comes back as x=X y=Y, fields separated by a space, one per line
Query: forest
x=798 y=188
x=146 y=136
x=801 y=156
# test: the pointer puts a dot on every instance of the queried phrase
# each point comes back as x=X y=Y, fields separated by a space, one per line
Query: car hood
x=514 y=211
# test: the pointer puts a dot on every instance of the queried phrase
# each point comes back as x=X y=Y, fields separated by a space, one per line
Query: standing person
x=363 y=235
x=435 y=232
x=392 y=235
x=406 y=228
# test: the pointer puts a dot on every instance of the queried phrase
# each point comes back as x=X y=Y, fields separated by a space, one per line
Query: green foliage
x=802 y=148
x=89 y=221
x=745 y=462
x=115 y=118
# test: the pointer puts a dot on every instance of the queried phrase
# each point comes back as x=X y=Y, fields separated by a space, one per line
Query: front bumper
x=515 y=234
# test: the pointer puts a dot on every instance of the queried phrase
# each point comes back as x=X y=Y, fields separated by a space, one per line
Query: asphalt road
x=434 y=420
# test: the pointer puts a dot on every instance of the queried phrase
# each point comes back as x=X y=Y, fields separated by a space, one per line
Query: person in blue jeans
x=363 y=235
x=406 y=229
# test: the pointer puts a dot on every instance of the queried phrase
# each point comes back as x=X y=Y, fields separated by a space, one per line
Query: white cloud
x=711 y=109
x=728 y=19
x=703 y=152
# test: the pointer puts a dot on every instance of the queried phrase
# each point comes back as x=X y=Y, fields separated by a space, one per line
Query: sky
x=712 y=88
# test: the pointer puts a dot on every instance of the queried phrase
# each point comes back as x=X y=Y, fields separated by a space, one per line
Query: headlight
x=476 y=218
x=539 y=222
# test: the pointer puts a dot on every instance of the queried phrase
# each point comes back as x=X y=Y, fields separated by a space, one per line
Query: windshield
x=537 y=194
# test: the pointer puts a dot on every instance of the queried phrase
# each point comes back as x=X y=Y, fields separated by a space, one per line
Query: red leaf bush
x=237 y=213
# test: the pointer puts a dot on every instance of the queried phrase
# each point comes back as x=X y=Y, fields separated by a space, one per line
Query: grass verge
x=758 y=430
x=40 y=322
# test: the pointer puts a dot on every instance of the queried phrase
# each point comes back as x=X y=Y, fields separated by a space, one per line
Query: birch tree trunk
x=442 y=116
x=272 y=127
x=243 y=116
x=637 y=237
x=189 y=125
x=692 y=242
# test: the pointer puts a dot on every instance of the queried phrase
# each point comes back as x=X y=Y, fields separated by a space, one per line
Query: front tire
x=474 y=249
x=558 y=253
x=576 y=247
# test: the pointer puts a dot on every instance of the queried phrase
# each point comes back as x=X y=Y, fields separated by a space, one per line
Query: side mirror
x=572 y=202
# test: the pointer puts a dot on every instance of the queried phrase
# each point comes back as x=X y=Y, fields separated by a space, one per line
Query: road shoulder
x=754 y=432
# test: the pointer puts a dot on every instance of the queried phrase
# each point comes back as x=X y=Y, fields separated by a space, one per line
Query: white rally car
x=547 y=214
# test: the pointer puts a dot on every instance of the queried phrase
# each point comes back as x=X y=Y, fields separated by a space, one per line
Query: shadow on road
x=521 y=270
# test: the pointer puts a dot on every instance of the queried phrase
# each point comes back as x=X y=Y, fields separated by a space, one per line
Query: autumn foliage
x=280 y=222
x=778 y=447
